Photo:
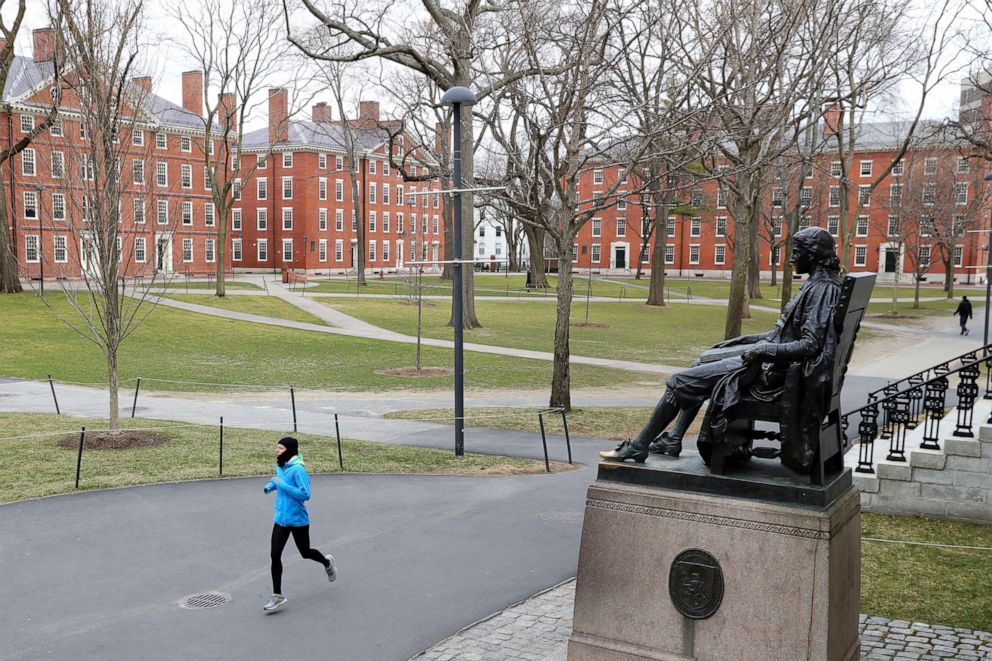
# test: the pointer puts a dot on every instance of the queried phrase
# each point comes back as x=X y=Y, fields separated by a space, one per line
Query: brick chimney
x=278 y=115
x=227 y=112
x=368 y=114
x=44 y=44
x=831 y=119
x=193 y=92
x=322 y=113
x=144 y=82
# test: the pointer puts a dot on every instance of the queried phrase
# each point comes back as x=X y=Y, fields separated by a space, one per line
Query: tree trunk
x=561 y=377
x=448 y=269
x=535 y=243
x=656 y=286
x=774 y=266
x=469 y=318
x=895 y=288
x=949 y=277
x=220 y=250
x=754 y=269
x=916 y=295
x=9 y=282
x=112 y=385
x=358 y=204
x=736 y=306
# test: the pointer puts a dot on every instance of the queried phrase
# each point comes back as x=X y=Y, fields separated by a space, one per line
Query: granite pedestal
x=788 y=552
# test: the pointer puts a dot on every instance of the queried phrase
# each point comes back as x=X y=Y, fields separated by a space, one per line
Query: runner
x=292 y=487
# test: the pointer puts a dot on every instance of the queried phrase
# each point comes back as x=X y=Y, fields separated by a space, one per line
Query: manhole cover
x=561 y=517
x=204 y=600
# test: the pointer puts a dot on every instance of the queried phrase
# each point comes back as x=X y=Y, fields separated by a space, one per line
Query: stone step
x=866 y=482
x=962 y=447
x=894 y=470
x=932 y=459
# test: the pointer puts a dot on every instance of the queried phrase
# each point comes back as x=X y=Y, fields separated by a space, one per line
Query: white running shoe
x=275 y=602
x=332 y=571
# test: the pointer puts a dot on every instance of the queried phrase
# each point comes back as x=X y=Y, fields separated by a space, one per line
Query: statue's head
x=813 y=247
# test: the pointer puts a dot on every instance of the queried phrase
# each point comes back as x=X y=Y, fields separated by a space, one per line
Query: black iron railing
x=891 y=412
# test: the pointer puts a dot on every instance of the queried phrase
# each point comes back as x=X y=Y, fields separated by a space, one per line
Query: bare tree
x=974 y=123
x=9 y=281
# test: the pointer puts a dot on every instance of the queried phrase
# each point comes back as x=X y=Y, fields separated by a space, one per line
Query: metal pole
x=292 y=397
x=79 y=456
x=134 y=404
x=337 y=430
x=41 y=241
x=988 y=286
x=456 y=294
x=568 y=441
x=52 y=386
x=221 y=445
x=544 y=442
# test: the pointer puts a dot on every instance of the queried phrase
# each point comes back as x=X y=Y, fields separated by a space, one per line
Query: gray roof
x=327 y=135
x=890 y=135
x=26 y=75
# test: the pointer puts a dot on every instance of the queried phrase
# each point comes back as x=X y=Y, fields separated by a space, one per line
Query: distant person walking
x=964 y=312
x=292 y=487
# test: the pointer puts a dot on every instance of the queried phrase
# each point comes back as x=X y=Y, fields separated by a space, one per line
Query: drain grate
x=204 y=600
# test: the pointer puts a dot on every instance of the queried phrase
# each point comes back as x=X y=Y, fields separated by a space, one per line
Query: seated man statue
x=804 y=337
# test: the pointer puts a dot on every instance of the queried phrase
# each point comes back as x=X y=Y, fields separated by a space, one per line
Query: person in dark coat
x=964 y=312
x=804 y=336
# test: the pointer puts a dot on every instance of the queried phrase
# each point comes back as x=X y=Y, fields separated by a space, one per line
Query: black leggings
x=280 y=535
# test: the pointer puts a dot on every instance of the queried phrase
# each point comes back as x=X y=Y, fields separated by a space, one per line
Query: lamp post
x=456 y=97
x=988 y=274
x=41 y=237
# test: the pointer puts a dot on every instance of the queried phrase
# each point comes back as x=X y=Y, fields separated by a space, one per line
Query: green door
x=890 y=260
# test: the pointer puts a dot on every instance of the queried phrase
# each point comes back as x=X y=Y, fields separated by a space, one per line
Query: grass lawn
x=266 y=306
x=180 y=284
x=32 y=467
x=673 y=335
x=927 y=584
x=185 y=346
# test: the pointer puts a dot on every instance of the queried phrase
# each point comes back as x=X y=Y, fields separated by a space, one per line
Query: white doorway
x=399 y=253
x=163 y=253
x=89 y=256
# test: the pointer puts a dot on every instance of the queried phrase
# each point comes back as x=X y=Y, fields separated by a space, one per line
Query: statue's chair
x=828 y=455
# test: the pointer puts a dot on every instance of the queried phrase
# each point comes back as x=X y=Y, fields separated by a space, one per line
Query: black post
x=568 y=442
x=221 y=446
x=337 y=430
x=544 y=442
x=79 y=456
x=292 y=397
x=134 y=405
x=456 y=293
x=52 y=386
x=988 y=273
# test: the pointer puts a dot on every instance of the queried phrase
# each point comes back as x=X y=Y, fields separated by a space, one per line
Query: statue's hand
x=758 y=353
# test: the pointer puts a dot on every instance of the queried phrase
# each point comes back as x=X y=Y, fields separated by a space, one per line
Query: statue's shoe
x=665 y=445
x=624 y=451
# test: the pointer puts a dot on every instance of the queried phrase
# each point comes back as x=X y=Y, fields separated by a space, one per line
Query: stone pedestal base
x=791 y=575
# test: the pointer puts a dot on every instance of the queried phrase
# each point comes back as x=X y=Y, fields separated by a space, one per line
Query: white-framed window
x=413 y=222
x=31 y=251
x=287 y=159
x=721 y=199
x=28 y=166
x=926 y=225
x=399 y=223
x=162 y=212
x=695 y=227
x=339 y=220
x=61 y=249
x=720 y=228
x=694 y=253
x=339 y=191
x=206 y=178
x=385 y=193
x=423 y=229
x=138 y=138
x=287 y=218
x=423 y=198
x=322 y=250
x=57 y=129
x=385 y=172
x=287 y=188
x=861 y=226
x=82 y=131
x=924 y=257
x=959 y=256
x=696 y=197
x=964 y=166
x=958 y=224
x=260 y=162
x=187 y=212
x=322 y=219
x=860 y=255
x=929 y=194
x=262 y=250
x=669 y=254
x=322 y=162
x=575 y=252
x=864 y=195
x=399 y=194
x=237 y=251
x=322 y=188
x=372 y=190
x=30 y=205
x=58 y=165
x=372 y=166
x=161 y=174
x=208 y=251
x=895 y=194
x=261 y=219
x=385 y=244
x=58 y=206
x=892 y=228
x=961 y=193
x=834 y=198
x=160 y=141
x=338 y=247
x=778 y=197
x=372 y=221
x=671 y=228
x=236 y=190
x=138 y=171
x=597 y=228
x=833 y=225
x=436 y=201
x=339 y=165
x=865 y=168
x=236 y=219
x=621 y=204
x=27 y=123
x=596 y=253
x=372 y=247
x=775 y=256
x=719 y=254
x=209 y=216
x=120 y=241
x=87 y=170
x=835 y=169
x=597 y=177
x=435 y=225
x=185 y=143
x=804 y=222
x=187 y=250
x=806 y=196
x=645 y=227
x=261 y=189
x=898 y=168
x=385 y=223
x=930 y=166
x=86 y=209
x=139 y=249
x=287 y=250
x=777 y=226
x=186 y=176
x=621 y=227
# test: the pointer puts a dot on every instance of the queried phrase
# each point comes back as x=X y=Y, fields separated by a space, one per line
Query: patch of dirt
x=122 y=440
x=414 y=372
x=426 y=304
x=889 y=315
x=590 y=325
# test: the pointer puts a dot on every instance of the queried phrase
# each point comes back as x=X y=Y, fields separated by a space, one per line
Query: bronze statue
x=755 y=366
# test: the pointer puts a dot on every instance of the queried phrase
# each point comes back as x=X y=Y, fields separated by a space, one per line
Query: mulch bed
x=590 y=325
x=414 y=372
x=122 y=440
